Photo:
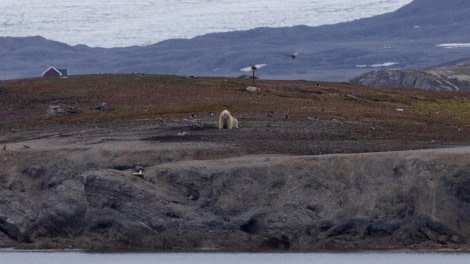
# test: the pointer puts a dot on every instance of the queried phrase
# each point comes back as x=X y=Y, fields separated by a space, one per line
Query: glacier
x=123 y=23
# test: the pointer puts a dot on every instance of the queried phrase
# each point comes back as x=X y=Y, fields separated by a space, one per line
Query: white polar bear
x=226 y=120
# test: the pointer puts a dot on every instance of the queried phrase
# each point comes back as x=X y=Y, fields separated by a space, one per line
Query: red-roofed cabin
x=53 y=72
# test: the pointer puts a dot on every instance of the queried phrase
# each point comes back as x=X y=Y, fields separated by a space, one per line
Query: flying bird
x=292 y=55
x=252 y=68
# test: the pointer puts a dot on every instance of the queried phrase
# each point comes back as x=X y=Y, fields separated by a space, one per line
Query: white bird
x=139 y=171
x=182 y=134
x=252 y=68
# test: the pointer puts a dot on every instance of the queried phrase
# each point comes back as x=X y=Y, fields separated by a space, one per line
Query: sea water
x=78 y=257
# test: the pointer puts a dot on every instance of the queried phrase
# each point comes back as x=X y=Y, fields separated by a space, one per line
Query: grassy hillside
x=398 y=113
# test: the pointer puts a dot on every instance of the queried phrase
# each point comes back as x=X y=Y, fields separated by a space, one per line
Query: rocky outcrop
x=87 y=197
x=448 y=78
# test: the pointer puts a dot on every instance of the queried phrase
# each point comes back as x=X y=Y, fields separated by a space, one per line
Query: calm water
x=53 y=257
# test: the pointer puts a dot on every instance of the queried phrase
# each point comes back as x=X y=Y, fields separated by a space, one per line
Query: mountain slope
x=452 y=77
x=407 y=37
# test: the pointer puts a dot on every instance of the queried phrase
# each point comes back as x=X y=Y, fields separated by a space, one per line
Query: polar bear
x=226 y=120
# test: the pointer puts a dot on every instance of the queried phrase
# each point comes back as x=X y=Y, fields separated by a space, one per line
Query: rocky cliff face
x=445 y=78
x=87 y=196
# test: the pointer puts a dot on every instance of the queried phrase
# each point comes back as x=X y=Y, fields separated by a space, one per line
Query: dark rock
x=245 y=203
x=349 y=229
x=251 y=227
x=384 y=226
x=34 y=171
x=276 y=243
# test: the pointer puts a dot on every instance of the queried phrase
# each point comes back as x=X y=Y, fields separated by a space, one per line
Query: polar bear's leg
x=235 y=123
x=225 y=123
x=229 y=122
x=221 y=121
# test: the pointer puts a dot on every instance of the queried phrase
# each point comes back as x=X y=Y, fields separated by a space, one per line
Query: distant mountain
x=406 y=38
x=450 y=77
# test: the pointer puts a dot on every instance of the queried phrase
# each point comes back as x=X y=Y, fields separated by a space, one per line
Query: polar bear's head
x=225 y=114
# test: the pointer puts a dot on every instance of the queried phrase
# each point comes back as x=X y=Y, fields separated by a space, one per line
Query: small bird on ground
x=5 y=147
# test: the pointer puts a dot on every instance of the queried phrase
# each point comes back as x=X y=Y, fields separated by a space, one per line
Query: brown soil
x=288 y=117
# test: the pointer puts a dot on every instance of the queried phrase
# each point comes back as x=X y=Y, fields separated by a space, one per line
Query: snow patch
x=462 y=77
x=378 y=65
x=386 y=64
x=454 y=45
